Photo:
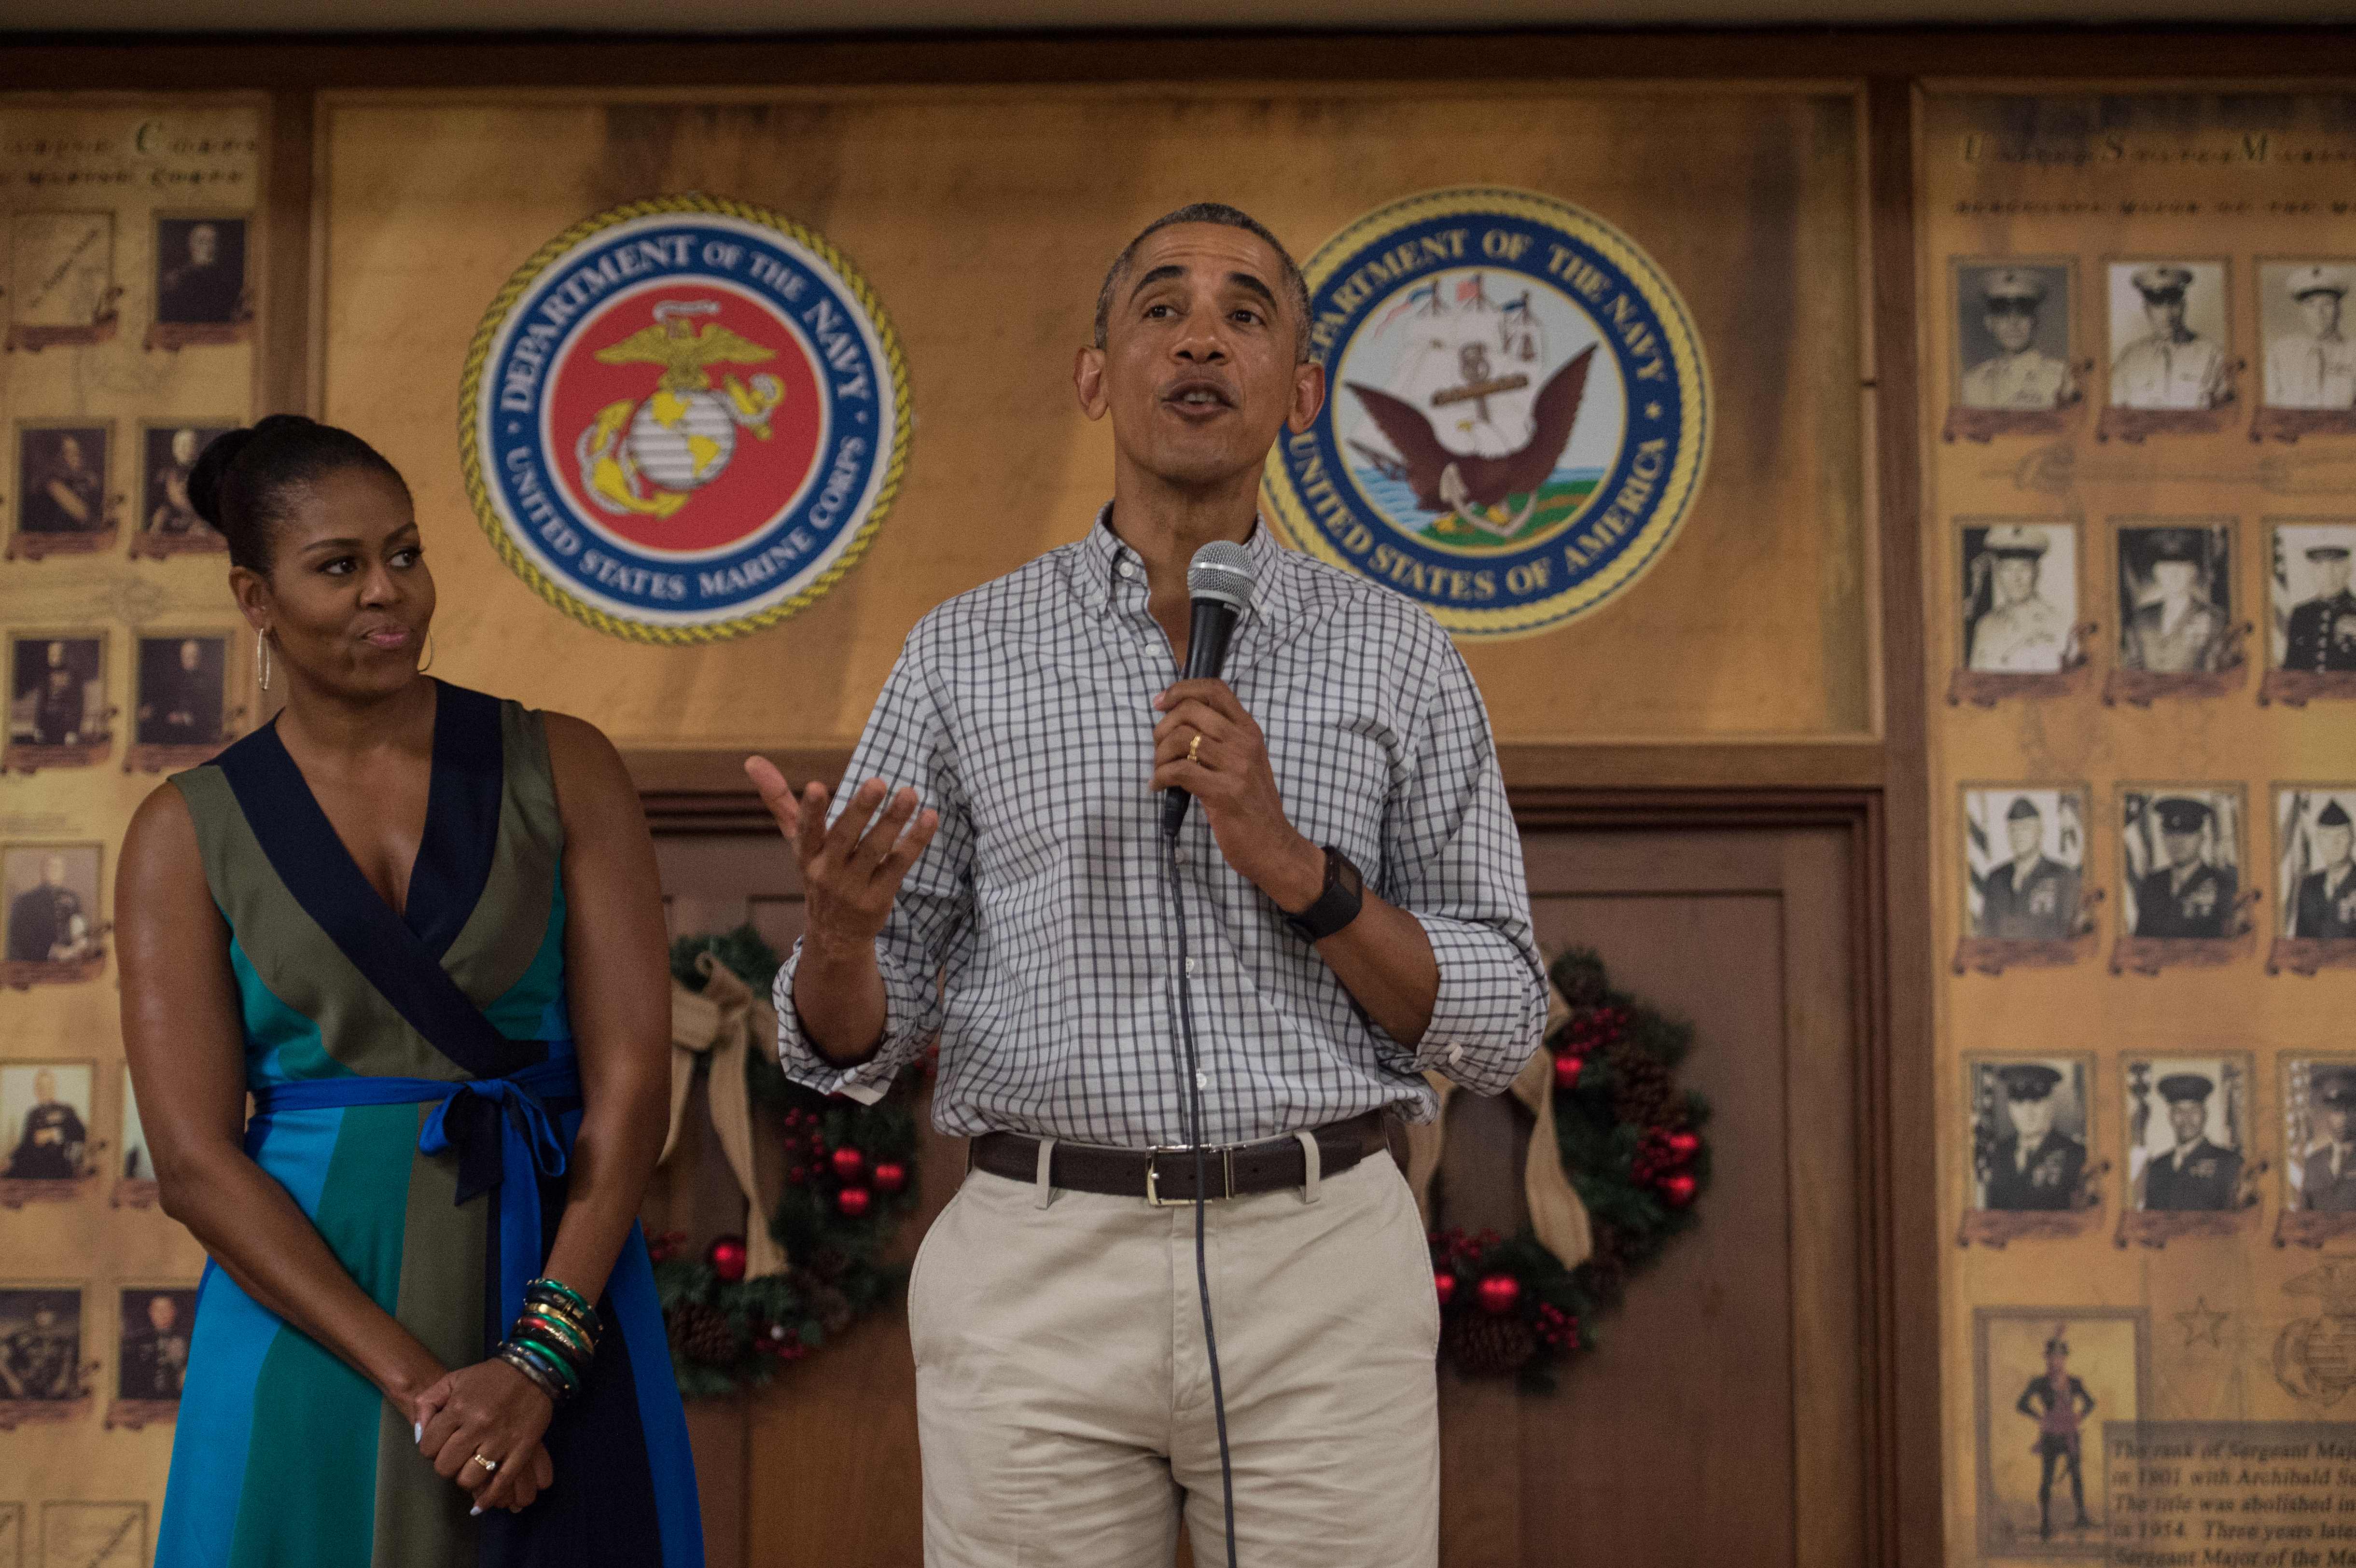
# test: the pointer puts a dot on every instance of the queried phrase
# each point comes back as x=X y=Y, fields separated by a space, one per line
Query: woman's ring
x=490 y=1466
x=1195 y=748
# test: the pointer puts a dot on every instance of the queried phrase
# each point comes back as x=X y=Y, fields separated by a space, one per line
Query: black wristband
x=1337 y=905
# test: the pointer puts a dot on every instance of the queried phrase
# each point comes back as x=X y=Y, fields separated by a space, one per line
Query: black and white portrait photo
x=62 y=479
x=153 y=1360
x=2012 y=333
x=50 y=894
x=2021 y=596
x=2176 y=597
x=168 y=454
x=40 y=1343
x=2315 y=832
x=2029 y=1134
x=200 y=271
x=2188 y=1121
x=57 y=690
x=2025 y=854
x=2314 y=604
x=2170 y=347
x=183 y=685
x=2320 y=1135
x=2181 y=861
x=44 y=1115
x=2310 y=362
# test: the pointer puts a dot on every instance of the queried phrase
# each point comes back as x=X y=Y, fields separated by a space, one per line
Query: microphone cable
x=1193 y=1090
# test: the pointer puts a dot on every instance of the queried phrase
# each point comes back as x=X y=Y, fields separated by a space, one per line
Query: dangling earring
x=429 y=652
x=262 y=653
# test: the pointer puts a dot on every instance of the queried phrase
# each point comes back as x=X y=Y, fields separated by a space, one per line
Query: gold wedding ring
x=1195 y=749
x=490 y=1466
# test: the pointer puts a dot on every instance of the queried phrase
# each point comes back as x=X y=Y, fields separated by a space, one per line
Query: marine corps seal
x=1517 y=410
x=683 y=419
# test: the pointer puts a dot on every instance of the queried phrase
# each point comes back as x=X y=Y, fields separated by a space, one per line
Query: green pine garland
x=727 y=1336
x=1632 y=1146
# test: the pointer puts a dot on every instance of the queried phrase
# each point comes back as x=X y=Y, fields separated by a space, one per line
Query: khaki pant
x=1064 y=1400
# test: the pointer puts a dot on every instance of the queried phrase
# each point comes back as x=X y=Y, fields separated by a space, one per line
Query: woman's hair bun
x=212 y=467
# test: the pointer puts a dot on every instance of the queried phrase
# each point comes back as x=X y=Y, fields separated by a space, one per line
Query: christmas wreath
x=850 y=1178
x=1630 y=1142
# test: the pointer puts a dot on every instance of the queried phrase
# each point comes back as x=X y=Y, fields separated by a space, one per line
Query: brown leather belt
x=1164 y=1177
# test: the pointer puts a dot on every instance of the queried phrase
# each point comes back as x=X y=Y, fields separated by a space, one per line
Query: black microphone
x=1219 y=581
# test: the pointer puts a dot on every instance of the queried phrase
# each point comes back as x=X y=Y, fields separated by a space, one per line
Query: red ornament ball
x=854 y=1201
x=890 y=1176
x=1445 y=1284
x=1679 y=1189
x=726 y=1257
x=850 y=1165
x=1566 y=1068
x=1499 y=1294
x=1682 y=1146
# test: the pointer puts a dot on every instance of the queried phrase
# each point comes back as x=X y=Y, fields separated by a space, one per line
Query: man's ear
x=1088 y=381
x=1307 y=396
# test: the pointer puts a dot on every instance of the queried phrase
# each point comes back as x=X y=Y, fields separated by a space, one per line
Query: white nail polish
x=420 y=1430
x=473 y=1511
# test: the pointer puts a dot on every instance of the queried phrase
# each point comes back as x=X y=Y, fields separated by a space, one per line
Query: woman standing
x=422 y=927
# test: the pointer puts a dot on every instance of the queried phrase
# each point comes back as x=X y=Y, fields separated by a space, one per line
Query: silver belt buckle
x=1227 y=1162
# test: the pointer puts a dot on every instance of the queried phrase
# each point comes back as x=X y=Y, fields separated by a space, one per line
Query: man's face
x=2181 y=848
x=2332 y=576
x=2339 y=1123
x=70 y=453
x=53 y=871
x=1199 y=370
x=191 y=654
x=2321 y=309
x=184 y=447
x=44 y=1086
x=2332 y=844
x=2173 y=578
x=56 y=654
x=2187 y=1117
x=2013 y=324
x=2031 y=1118
x=2164 y=312
x=2024 y=832
x=204 y=245
x=2016 y=578
x=163 y=1312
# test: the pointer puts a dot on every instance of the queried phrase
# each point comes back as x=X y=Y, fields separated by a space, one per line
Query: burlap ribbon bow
x=722 y=1022
x=1556 y=1215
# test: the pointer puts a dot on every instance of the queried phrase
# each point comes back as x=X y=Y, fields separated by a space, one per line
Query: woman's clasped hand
x=481 y=1427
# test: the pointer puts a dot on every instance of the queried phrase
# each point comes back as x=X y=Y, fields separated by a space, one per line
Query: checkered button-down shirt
x=1035 y=935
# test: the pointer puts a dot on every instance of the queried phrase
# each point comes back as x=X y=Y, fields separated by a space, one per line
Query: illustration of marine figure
x=2059 y=1403
x=1467 y=485
x=648 y=457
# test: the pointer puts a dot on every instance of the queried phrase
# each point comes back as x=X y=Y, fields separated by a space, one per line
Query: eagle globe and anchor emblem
x=1516 y=415
x=683 y=419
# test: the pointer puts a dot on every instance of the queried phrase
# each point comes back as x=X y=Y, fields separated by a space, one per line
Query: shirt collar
x=1275 y=594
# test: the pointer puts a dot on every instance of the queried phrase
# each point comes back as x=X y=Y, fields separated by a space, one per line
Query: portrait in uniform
x=2320 y=1135
x=153 y=1360
x=2029 y=1132
x=2180 y=860
x=2046 y=1380
x=2020 y=597
x=2175 y=586
x=199 y=269
x=50 y=893
x=2315 y=832
x=182 y=690
x=56 y=690
x=2012 y=335
x=2187 y=1128
x=2314 y=604
x=2310 y=360
x=62 y=479
x=169 y=454
x=2025 y=850
x=45 y=1119
x=40 y=1343
x=2168 y=336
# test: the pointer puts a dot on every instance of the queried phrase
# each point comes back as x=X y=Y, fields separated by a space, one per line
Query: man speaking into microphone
x=1141 y=1038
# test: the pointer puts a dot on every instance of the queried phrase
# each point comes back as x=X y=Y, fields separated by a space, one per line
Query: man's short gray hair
x=1288 y=279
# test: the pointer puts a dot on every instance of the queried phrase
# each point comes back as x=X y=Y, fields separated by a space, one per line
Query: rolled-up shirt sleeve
x=1453 y=858
x=907 y=742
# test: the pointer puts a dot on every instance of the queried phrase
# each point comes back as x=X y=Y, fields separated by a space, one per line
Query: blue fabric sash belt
x=499 y=1126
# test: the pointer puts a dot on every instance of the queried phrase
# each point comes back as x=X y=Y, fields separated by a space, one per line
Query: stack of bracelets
x=554 y=1340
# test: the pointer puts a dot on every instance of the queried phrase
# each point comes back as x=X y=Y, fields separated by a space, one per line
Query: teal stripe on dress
x=527 y=1009
x=281 y=1044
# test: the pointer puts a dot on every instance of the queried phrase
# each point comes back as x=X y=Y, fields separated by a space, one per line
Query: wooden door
x=1723 y=1420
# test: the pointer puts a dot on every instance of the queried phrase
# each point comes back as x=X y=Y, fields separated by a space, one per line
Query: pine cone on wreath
x=1606 y=1274
x=701 y=1333
x=1644 y=1090
x=1481 y=1345
x=828 y=1305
